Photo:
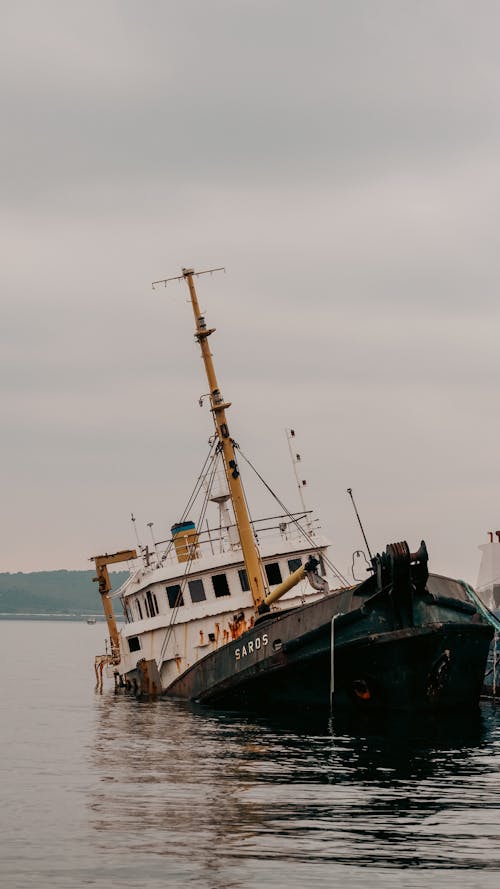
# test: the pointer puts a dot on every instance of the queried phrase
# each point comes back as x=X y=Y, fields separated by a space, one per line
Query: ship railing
x=216 y=540
x=298 y=527
x=294 y=528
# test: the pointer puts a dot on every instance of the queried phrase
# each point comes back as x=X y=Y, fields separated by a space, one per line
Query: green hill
x=53 y=592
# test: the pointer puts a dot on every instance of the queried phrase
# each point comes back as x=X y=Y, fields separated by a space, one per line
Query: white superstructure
x=488 y=581
x=176 y=612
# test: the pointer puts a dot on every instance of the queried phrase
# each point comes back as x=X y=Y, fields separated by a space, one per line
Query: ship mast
x=219 y=406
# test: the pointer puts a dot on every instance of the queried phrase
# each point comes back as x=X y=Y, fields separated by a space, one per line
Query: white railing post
x=332 y=660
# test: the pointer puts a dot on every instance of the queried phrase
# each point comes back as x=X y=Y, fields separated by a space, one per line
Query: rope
x=189 y=561
x=338 y=574
x=481 y=607
x=196 y=490
x=214 y=445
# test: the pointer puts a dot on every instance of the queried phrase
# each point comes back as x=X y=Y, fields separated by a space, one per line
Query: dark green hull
x=356 y=645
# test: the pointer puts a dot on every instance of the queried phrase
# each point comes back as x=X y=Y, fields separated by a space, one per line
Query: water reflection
x=106 y=791
x=187 y=783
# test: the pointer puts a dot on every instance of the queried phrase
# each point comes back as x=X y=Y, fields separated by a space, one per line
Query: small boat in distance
x=253 y=613
x=91 y=620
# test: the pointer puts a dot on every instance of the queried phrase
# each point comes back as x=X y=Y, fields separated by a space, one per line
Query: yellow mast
x=219 y=406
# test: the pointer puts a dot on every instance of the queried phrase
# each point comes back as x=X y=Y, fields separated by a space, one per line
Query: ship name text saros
x=251 y=646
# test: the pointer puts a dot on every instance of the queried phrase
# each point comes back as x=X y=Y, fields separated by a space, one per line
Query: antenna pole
x=132 y=519
x=218 y=407
x=150 y=526
x=349 y=491
x=295 y=458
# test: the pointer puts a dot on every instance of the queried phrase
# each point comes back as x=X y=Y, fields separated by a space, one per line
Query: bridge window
x=139 y=609
x=221 y=586
x=242 y=574
x=273 y=573
x=151 y=604
x=293 y=564
x=174 y=596
x=134 y=643
x=197 y=590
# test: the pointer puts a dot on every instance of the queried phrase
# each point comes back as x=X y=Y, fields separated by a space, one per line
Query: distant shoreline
x=57 y=595
x=23 y=615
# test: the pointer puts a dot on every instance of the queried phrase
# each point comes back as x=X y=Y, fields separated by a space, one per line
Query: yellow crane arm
x=102 y=578
x=307 y=570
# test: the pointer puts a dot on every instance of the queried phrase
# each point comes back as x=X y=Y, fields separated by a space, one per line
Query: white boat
x=488 y=581
x=199 y=590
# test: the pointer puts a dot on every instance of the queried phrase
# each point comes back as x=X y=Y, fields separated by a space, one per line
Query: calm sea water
x=100 y=790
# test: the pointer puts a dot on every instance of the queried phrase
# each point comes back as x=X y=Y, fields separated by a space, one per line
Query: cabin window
x=139 y=609
x=273 y=573
x=151 y=604
x=221 y=586
x=128 y=615
x=174 y=596
x=293 y=564
x=155 y=600
x=197 y=590
x=134 y=643
x=146 y=606
x=242 y=574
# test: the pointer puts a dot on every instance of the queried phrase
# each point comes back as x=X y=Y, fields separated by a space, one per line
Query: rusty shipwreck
x=249 y=613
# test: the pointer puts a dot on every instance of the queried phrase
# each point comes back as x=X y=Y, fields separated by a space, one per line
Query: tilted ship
x=246 y=613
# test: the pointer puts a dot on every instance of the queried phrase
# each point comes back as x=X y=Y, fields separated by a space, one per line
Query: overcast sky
x=342 y=161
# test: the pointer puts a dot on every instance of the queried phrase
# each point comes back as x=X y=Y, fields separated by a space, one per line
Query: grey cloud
x=231 y=92
x=341 y=159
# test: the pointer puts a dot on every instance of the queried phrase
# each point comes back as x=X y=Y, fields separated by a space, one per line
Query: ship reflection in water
x=220 y=799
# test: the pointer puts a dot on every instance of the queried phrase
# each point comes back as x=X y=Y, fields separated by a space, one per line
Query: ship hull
x=440 y=667
x=353 y=650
